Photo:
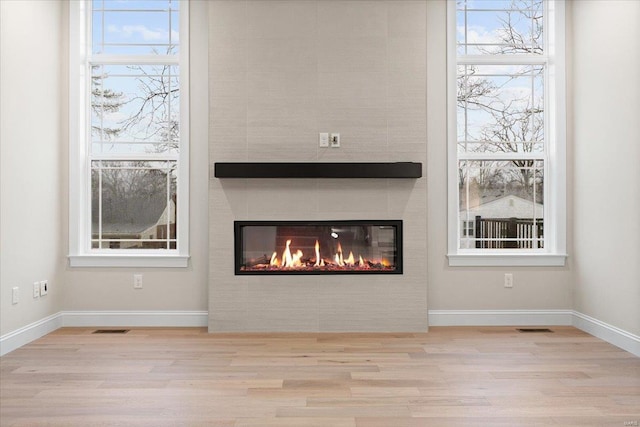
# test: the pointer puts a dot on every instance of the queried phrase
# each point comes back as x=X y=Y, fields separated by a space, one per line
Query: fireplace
x=318 y=247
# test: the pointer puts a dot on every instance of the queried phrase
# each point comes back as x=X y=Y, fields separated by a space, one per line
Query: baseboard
x=611 y=334
x=500 y=317
x=26 y=334
x=135 y=318
x=33 y=331
x=616 y=336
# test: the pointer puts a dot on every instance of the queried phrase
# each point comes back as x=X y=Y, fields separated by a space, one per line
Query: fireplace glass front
x=318 y=247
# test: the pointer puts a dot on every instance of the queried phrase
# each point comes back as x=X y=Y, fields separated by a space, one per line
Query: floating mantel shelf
x=318 y=170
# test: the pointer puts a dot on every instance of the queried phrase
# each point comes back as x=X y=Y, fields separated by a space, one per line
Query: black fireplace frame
x=237 y=232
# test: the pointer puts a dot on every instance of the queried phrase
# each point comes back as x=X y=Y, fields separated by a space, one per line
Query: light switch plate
x=323 y=139
x=335 y=140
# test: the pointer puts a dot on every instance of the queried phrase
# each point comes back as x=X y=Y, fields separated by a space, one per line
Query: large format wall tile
x=355 y=54
x=282 y=19
x=349 y=19
x=280 y=72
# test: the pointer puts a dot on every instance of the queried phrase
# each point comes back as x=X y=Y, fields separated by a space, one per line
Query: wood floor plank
x=457 y=376
x=454 y=422
x=296 y=422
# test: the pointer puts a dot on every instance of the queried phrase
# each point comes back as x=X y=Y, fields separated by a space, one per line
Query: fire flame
x=289 y=260
x=286 y=255
x=339 y=259
x=317 y=264
x=350 y=260
x=293 y=260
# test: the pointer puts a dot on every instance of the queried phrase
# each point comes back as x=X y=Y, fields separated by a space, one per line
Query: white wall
x=601 y=279
x=163 y=289
x=606 y=156
x=471 y=288
x=35 y=179
x=31 y=130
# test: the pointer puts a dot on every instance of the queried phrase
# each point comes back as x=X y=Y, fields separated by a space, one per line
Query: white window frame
x=554 y=252
x=80 y=252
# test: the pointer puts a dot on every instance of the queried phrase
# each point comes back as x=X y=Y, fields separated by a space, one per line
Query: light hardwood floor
x=447 y=377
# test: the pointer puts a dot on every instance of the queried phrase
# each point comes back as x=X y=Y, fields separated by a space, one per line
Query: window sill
x=507 y=260
x=136 y=260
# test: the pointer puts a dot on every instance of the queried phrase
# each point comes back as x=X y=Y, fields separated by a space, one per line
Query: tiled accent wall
x=280 y=73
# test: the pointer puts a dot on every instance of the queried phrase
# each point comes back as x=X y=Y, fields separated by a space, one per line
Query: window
x=468 y=228
x=129 y=133
x=506 y=132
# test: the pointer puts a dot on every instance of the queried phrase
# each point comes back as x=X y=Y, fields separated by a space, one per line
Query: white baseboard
x=616 y=336
x=31 y=332
x=500 y=317
x=135 y=318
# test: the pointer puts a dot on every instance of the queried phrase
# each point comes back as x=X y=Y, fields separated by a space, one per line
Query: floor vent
x=534 y=330
x=111 y=331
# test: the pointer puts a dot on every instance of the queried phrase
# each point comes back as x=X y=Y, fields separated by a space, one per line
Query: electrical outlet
x=44 y=287
x=36 y=289
x=15 y=295
x=508 y=280
x=137 y=281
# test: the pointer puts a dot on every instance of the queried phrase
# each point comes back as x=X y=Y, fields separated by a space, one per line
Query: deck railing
x=517 y=233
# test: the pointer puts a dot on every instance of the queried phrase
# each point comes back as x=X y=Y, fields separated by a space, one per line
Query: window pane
x=500 y=108
x=133 y=205
x=135 y=109
x=135 y=27
x=175 y=31
x=505 y=201
x=499 y=27
x=135 y=4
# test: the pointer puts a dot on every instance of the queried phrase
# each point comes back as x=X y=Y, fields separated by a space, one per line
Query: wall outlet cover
x=137 y=281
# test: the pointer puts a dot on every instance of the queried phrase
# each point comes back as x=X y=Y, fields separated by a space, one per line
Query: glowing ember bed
x=318 y=247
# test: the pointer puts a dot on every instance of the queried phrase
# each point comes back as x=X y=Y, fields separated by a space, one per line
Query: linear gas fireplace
x=318 y=247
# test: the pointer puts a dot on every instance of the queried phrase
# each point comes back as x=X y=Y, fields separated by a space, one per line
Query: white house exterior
x=159 y=229
x=509 y=206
